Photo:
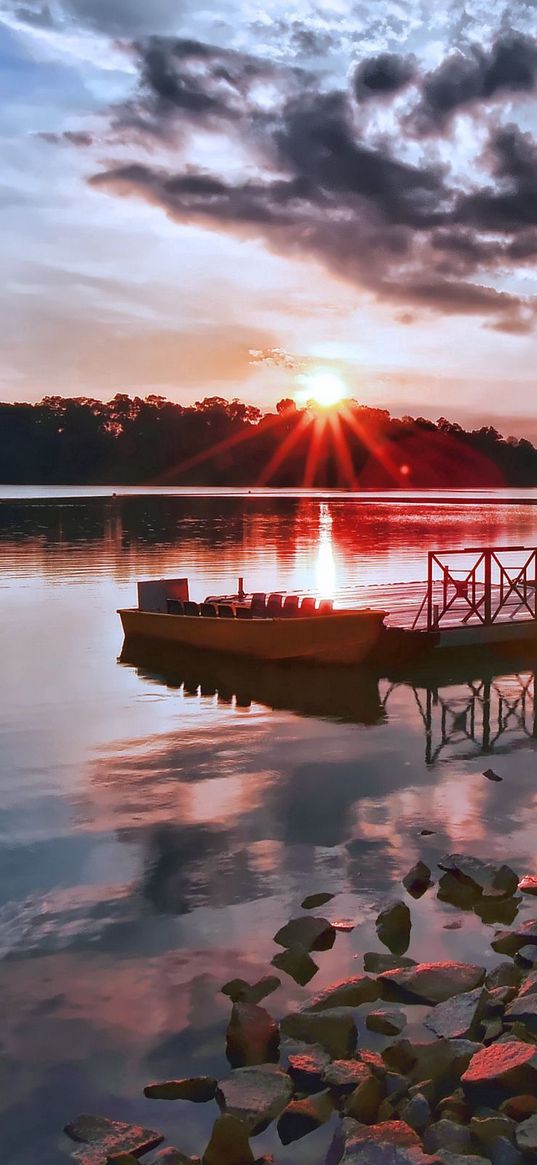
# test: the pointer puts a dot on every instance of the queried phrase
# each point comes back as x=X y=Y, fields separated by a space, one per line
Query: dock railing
x=479 y=585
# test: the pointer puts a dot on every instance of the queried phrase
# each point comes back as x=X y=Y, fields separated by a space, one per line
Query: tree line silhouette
x=130 y=440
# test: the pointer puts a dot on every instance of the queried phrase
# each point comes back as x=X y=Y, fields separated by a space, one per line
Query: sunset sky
x=202 y=199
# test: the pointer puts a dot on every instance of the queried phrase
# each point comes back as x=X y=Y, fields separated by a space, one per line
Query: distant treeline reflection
x=217 y=442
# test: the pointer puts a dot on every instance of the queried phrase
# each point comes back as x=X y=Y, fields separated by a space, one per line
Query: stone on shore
x=528 y=985
x=390 y=1143
x=297 y=963
x=102 y=1138
x=519 y=1108
x=526 y=1135
x=501 y=1070
x=199 y=1089
x=393 y=927
x=523 y=1010
x=347 y=993
x=252 y=1036
x=430 y=982
x=239 y=991
x=418 y=880
x=309 y=932
x=508 y=942
x=304 y=1116
x=447 y=1134
x=377 y=961
x=417 y=1112
x=171 y=1156
x=363 y=1104
x=334 y=1030
x=387 y=1023
x=345 y=1075
x=434 y=1060
x=493 y=881
x=457 y=1018
x=255 y=1096
x=307 y=1069
x=314 y=900
x=528 y=884
x=229 y=1144
x=504 y=975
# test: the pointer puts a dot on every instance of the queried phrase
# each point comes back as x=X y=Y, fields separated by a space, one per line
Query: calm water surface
x=160 y=821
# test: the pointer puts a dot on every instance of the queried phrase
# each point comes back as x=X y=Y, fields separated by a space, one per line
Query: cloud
x=71 y=137
x=383 y=75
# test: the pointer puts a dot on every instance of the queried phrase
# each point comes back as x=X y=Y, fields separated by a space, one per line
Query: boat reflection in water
x=466 y=711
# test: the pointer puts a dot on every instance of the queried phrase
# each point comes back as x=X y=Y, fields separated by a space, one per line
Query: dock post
x=488 y=586
x=429 y=591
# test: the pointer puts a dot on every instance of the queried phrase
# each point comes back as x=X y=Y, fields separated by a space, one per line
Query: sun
x=325 y=388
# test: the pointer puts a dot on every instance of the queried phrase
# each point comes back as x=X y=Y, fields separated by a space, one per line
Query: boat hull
x=341 y=637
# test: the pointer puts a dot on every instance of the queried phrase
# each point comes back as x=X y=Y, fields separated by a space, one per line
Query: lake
x=160 y=822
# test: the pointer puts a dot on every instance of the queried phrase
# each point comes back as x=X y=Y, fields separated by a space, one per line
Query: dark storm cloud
x=319 y=187
x=476 y=75
x=383 y=75
x=40 y=17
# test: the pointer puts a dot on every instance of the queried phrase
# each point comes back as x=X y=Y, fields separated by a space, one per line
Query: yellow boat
x=275 y=628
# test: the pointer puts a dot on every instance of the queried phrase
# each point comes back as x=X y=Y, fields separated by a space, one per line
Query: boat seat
x=290 y=606
x=274 y=606
x=326 y=606
x=175 y=607
x=208 y=610
x=307 y=606
x=244 y=612
x=192 y=608
x=259 y=604
x=225 y=611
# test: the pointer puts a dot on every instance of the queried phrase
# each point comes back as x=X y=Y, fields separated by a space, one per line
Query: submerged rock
x=297 y=963
x=304 y=1116
x=347 y=993
x=229 y=1144
x=309 y=932
x=103 y=1138
x=388 y=1023
x=393 y=927
x=314 y=900
x=199 y=1089
x=493 y=881
x=377 y=961
x=239 y=991
x=255 y=1096
x=335 y=1030
x=430 y=982
x=491 y=775
x=508 y=942
x=459 y=1017
x=252 y=1036
x=501 y=1070
x=418 y=880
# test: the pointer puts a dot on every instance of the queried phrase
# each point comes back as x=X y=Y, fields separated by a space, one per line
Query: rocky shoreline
x=456 y=1084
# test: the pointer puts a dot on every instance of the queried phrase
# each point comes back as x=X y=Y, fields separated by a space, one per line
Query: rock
x=393 y=927
x=199 y=1089
x=523 y=1010
x=390 y=1143
x=345 y=925
x=229 y=1144
x=388 y=1023
x=306 y=1069
x=497 y=910
x=345 y=1075
x=527 y=956
x=103 y=1138
x=314 y=900
x=252 y=1036
x=487 y=1128
x=239 y=991
x=508 y=942
x=497 y=999
x=304 y=1116
x=455 y=925
x=255 y=1096
x=430 y=982
x=171 y=1156
x=528 y=884
x=447 y=1134
x=347 y=993
x=363 y=1104
x=309 y=932
x=437 y=1060
x=427 y=832
x=418 y=880
x=499 y=1070
x=504 y=975
x=492 y=881
x=503 y=1152
x=492 y=1030
x=459 y=1017
x=526 y=1135
x=334 y=1030
x=373 y=1061
x=491 y=775
x=455 y=1107
x=459 y=892
x=519 y=1108
x=448 y=1158
x=375 y=962
x=528 y=985
x=297 y=963
x=417 y=1112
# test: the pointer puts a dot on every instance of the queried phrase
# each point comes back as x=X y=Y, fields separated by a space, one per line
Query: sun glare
x=325 y=388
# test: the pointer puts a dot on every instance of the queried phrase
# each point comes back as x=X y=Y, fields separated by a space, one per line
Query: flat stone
x=314 y=900
x=508 y=942
x=347 y=993
x=393 y=927
x=307 y=1068
x=297 y=963
x=239 y=991
x=363 y=1104
x=526 y=1135
x=431 y=982
x=229 y=1144
x=501 y=1069
x=334 y=1030
x=345 y=1075
x=252 y=1036
x=304 y=1116
x=378 y=961
x=528 y=884
x=459 y=1017
x=447 y=1134
x=418 y=880
x=103 y=1138
x=493 y=881
x=388 y=1023
x=309 y=932
x=199 y=1089
x=255 y=1096
x=523 y=1010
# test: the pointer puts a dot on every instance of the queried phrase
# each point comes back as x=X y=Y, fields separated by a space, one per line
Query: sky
x=201 y=200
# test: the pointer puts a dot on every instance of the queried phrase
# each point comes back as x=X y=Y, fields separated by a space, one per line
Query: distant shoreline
x=492 y=496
